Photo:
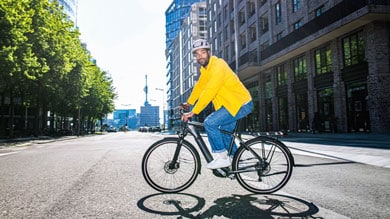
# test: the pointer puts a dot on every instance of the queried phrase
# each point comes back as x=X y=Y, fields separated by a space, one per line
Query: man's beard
x=205 y=63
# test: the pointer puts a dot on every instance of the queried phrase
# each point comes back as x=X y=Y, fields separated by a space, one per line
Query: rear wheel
x=264 y=166
x=165 y=175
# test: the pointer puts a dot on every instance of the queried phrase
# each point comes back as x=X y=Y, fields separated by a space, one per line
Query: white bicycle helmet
x=200 y=44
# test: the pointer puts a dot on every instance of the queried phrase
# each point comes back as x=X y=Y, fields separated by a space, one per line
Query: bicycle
x=261 y=165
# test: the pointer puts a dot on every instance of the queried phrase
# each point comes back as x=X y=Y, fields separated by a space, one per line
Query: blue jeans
x=222 y=119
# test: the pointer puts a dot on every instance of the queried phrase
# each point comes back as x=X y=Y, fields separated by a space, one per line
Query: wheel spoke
x=264 y=166
x=161 y=174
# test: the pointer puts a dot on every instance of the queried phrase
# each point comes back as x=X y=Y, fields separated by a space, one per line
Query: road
x=100 y=177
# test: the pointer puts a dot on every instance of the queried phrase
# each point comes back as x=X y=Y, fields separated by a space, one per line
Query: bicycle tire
x=268 y=174
x=156 y=169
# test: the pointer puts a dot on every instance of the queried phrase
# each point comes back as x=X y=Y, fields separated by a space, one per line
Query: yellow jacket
x=219 y=84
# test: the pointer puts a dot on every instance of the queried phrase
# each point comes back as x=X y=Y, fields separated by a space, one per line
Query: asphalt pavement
x=366 y=148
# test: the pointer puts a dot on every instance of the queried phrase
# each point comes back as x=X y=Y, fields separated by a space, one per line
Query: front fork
x=174 y=164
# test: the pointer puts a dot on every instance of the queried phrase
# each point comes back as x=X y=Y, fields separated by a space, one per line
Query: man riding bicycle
x=231 y=100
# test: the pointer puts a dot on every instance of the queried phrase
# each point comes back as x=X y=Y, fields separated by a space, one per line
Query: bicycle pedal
x=232 y=176
x=221 y=172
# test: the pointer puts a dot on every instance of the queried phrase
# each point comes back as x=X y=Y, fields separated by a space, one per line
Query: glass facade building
x=175 y=15
x=70 y=8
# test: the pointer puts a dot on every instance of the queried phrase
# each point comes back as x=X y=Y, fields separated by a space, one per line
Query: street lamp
x=163 y=106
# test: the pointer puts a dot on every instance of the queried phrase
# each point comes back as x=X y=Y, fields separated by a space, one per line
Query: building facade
x=186 y=71
x=149 y=116
x=175 y=15
x=70 y=8
x=320 y=64
x=303 y=58
x=125 y=118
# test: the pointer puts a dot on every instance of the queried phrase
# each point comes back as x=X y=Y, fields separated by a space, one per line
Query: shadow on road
x=185 y=205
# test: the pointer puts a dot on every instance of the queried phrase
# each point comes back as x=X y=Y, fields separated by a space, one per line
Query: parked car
x=143 y=129
x=111 y=129
x=154 y=129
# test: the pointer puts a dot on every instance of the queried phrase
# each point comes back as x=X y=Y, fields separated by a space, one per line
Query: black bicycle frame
x=192 y=129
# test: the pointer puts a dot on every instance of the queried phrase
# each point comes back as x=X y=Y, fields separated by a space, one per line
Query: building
x=175 y=15
x=70 y=8
x=186 y=69
x=150 y=116
x=301 y=58
x=125 y=118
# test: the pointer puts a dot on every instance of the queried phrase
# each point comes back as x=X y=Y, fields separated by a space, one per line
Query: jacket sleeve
x=216 y=78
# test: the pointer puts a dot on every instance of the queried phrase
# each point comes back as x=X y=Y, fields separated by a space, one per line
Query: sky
x=127 y=39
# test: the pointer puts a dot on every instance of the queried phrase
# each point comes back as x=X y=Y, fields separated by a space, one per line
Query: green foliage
x=43 y=62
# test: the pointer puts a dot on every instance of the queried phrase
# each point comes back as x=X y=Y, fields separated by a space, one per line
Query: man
x=232 y=101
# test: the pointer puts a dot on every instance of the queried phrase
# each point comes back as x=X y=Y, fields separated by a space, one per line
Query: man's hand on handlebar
x=184 y=106
x=186 y=116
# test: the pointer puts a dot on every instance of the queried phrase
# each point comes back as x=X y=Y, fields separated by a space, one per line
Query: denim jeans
x=222 y=119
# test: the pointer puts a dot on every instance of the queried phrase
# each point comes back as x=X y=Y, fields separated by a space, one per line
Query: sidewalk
x=9 y=144
x=367 y=148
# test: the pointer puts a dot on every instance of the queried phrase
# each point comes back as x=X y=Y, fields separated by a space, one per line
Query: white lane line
x=4 y=154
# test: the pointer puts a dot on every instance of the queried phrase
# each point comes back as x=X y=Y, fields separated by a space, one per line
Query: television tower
x=146 y=91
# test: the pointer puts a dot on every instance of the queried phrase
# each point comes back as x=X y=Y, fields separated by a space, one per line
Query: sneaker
x=219 y=163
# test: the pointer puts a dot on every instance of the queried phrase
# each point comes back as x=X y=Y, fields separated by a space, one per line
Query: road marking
x=8 y=153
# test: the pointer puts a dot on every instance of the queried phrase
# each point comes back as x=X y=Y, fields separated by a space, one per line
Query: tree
x=44 y=66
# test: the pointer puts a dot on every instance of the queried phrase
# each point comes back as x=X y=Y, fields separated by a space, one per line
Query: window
x=281 y=75
x=252 y=32
x=225 y=12
x=353 y=49
x=226 y=53
x=251 y=8
x=323 y=60
x=241 y=16
x=264 y=23
x=300 y=68
x=243 y=41
x=202 y=25
x=302 y=108
x=227 y=49
x=320 y=10
x=296 y=5
x=283 y=113
x=279 y=35
x=225 y=33
x=202 y=13
x=233 y=49
x=231 y=27
x=268 y=94
x=278 y=13
x=298 y=24
x=262 y=2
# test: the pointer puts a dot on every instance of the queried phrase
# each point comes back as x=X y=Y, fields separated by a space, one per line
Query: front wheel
x=166 y=175
x=264 y=165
